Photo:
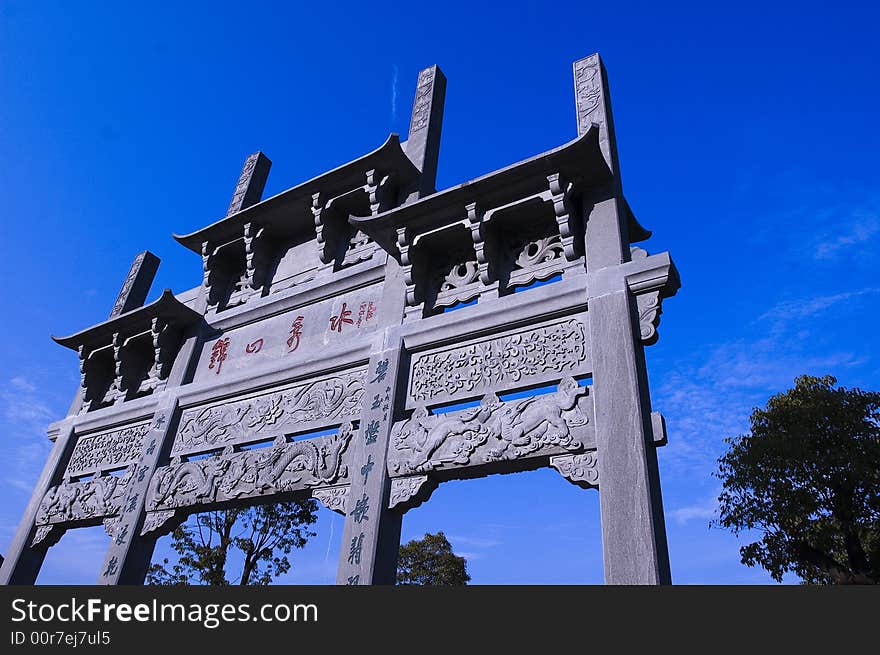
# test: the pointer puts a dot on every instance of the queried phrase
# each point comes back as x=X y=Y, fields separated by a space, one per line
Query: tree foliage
x=430 y=561
x=263 y=536
x=807 y=478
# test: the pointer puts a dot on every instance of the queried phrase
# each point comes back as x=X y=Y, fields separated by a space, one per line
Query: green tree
x=264 y=536
x=807 y=478
x=430 y=561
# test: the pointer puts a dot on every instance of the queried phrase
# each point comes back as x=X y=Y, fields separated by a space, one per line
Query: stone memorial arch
x=328 y=308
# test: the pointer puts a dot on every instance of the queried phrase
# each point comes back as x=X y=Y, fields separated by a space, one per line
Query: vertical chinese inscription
x=366 y=515
x=422 y=106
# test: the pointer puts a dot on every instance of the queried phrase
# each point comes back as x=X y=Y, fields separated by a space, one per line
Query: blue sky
x=748 y=144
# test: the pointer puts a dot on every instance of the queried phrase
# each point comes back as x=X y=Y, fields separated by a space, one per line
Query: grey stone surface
x=425 y=127
x=327 y=307
x=251 y=183
x=137 y=283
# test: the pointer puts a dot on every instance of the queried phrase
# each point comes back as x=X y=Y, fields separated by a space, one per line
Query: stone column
x=23 y=561
x=633 y=531
x=251 y=183
x=137 y=284
x=426 y=124
x=128 y=557
x=371 y=537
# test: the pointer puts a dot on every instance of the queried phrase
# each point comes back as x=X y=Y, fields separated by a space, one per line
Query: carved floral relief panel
x=107 y=450
x=500 y=362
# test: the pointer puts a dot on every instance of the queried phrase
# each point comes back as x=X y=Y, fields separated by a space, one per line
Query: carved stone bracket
x=560 y=195
x=650 y=287
x=581 y=469
x=162 y=522
x=333 y=498
x=410 y=492
x=47 y=535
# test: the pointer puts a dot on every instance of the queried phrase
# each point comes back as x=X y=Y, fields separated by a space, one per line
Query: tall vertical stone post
x=425 y=127
x=633 y=529
x=372 y=531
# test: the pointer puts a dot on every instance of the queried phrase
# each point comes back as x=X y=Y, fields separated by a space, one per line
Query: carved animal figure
x=425 y=434
x=525 y=424
x=323 y=462
x=198 y=479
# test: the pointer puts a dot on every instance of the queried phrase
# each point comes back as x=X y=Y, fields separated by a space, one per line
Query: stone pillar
x=251 y=183
x=633 y=531
x=371 y=537
x=129 y=554
x=423 y=142
x=137 y=284
x=23 y=562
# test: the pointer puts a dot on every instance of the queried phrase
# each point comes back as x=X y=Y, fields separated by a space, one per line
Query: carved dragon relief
x=220 y=424
x=494 y=431
x=229 y=475
x=71 y=503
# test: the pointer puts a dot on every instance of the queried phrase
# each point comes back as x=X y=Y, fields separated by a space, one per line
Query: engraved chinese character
x=354 y=551
x=123 y=532
x=295 y=334
x=361 y=507
x=112 y=567
x=371 y=433
x=366 y=468
x=361 y=311
x=218 y=353
x=158 y=422
x=142 y=473
x=254 y=347
x=132 y=503
x=152 y=447
x=336 y=322
x=354 y=579
x=371 y=310
x=381 y=371
x=377 y=402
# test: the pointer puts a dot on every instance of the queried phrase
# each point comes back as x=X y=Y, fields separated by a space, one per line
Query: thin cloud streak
x=394 y=94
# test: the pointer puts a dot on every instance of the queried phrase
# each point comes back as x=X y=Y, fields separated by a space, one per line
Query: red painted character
x=336 y=322
x=218 y=353
x=295 y=334
x=254 y=347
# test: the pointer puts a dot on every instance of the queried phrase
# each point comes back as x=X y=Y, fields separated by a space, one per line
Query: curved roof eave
x=390 y=150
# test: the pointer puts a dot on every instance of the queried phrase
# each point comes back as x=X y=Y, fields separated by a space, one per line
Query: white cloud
x=476 y=542
x=702 y=511
x=394 y=94
x=806 y=307
x=857 y=232
x=22 y=383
